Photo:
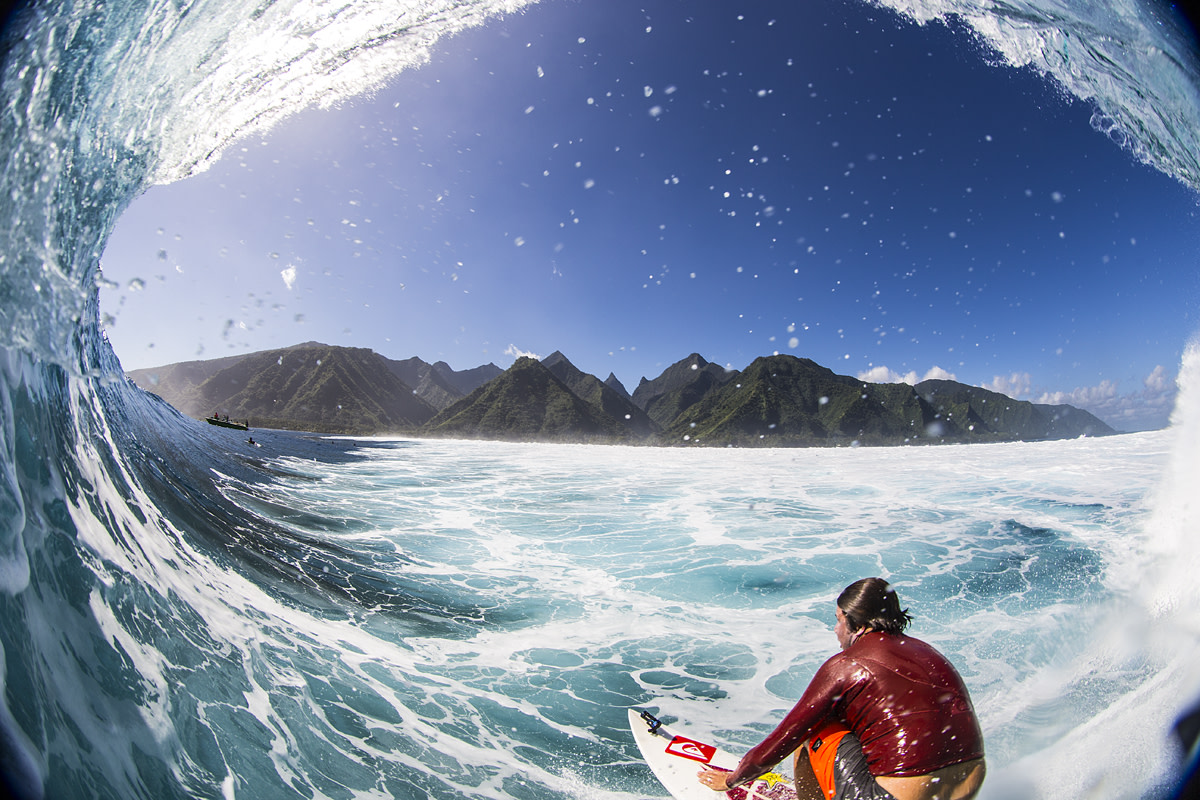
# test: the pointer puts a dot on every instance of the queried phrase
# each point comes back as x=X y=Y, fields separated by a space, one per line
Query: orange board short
x=822 y=752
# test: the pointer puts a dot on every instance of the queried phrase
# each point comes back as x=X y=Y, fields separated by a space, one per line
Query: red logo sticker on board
x=688 y=748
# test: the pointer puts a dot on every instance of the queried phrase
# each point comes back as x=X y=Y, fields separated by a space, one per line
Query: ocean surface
x=185 y=615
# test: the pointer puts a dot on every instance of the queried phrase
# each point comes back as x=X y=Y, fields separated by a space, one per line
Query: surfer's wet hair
x=872 y=603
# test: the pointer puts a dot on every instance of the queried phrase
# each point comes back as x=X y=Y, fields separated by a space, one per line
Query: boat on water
x=226 y=422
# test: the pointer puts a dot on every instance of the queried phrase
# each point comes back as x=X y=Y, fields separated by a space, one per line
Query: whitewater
x=182 y=615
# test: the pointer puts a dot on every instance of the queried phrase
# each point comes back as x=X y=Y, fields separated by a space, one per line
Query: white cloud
x=1084 y=397
x=1158 y=380
x=939 y=374
x=1015 y=385
x=289 y=276
x=517 y=352
x=883 y=374
x=1147 y=409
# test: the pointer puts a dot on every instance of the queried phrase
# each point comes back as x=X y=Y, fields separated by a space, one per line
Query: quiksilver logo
x=688 y=748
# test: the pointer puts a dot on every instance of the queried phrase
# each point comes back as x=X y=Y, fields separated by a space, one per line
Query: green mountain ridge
x=528 y=402
x=326 y=389
x=777 y=401
x=314 y=387
x=679 y=387
x=601 y=394
x=795 y=401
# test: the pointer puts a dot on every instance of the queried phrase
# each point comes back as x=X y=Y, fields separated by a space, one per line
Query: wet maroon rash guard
x=901 y=698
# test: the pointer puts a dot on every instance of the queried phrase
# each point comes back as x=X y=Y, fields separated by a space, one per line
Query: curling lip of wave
x=1134 y=61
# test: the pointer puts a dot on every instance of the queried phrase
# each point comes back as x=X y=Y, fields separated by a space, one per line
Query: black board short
x=851 y=778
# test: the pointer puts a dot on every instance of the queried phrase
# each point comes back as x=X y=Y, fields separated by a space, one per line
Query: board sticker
x=689 y=748
x=771 y=786
x=761 y=790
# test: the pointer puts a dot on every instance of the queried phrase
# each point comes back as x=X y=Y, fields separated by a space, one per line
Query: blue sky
x=633 y=182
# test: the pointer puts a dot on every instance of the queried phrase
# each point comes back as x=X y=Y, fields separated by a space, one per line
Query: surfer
x=887 y=718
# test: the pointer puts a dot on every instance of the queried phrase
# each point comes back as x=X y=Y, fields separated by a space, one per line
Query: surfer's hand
x=714 y=779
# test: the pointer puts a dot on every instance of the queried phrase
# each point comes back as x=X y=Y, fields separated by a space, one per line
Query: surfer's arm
x=814 y=707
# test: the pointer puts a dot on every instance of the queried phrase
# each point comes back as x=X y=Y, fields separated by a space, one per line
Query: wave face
x=185 y=617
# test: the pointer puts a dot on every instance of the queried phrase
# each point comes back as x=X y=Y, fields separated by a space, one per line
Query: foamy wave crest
x=1171 y=544
x=1147 y=646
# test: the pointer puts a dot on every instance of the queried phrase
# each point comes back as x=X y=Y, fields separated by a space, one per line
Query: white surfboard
x=675 y=760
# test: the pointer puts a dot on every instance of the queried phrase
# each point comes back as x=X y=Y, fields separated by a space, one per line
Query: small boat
x=226 y=422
